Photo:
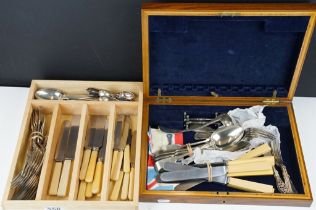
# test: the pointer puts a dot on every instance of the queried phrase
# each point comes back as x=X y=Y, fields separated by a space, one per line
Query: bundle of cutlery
x=64 y=157
x=91 y=170
x=26 y=181
x=225 y=137
x=123 y=161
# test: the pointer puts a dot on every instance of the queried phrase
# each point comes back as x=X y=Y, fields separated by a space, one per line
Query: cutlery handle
x=82 y=191
x=249 y=186
x=117 y=167
x=131 y=184
x=127 y=163
x=124 y=191
x=117 y=187
x=267 y=159
x=84 y=164
x=96 y=184
x=253 y=168
x=114 y=160
x=89 y=190
x=262 y=149
x=111 y=186
x=64 y=179
x=251 y=173
x=55 y=178
x=91 y=166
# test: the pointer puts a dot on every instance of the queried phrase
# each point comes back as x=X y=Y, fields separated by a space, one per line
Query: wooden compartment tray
x=58 y=111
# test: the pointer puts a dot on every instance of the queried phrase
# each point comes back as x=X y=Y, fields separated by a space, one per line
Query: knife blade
x=184 y=186
x=118 y=162
x=86 y=154
x=69 y=156
x=132 y=161
x=59 y=157
x=97 y=143
x=97 y=181
x=242 y=169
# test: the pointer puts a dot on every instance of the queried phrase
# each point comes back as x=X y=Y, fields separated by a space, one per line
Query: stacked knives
x=123 y=161
x=64 y=157
x=93 y=159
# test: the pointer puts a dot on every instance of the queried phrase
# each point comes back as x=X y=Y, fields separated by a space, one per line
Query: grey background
x=85 y=40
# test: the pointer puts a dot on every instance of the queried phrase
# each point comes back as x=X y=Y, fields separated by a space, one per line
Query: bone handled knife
x=59 y=158
x=117 y=138
x=126 y=167
x=97 y=144
x=97 y=180
x=69 y=156
x=117 y=186
x=245 y=169
x=86 y=154
x=132 y=172
x=120 y=150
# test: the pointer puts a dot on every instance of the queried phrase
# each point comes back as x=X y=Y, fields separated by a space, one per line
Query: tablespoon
x=54 y=94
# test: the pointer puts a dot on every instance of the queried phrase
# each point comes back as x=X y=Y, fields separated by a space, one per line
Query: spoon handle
x=82 y=98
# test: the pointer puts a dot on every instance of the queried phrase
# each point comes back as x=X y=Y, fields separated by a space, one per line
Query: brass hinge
x=272 y=100
x=161 y=99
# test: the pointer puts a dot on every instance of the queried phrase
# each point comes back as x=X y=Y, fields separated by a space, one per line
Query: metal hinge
x=272 y=100
x=161 y=99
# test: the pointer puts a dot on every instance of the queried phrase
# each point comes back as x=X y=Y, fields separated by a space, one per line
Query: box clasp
x=161 y=99
x=273 y=99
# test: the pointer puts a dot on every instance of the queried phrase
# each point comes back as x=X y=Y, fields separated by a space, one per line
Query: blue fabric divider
x=172 y=116
x=232 y=56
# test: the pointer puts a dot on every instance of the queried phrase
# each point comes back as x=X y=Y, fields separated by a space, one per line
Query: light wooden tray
x=56 y=111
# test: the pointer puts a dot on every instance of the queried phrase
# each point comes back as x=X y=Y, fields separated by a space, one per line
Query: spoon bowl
x=49 y=94
x=227 y=135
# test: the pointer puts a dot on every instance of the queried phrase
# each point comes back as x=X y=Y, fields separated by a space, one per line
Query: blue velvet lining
x=232 y=56
x=172 y=116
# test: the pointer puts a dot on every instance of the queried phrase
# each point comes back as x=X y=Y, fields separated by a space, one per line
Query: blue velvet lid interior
x=232 y=56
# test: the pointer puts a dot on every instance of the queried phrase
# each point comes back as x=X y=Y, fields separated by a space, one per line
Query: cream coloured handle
x=91 y=166
x=84 y=164
x=55 y=178
x=64 y=179
x=124 y=191
x=126 y=161
x=262 y=149
x=131 y=184
x=117 y=166
x=249 y=186
x=96 y=184
x=267 y=159
x=82 y=191
x=114 y=160
x=253 y=168
x=89 y=190
x=117 y=187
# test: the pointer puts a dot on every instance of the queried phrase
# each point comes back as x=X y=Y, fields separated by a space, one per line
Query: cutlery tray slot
x=115 y=187
x=62 y=145
x=97 y=116
x=24 y=142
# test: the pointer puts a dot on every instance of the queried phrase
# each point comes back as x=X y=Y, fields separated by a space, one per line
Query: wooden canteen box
x=58 y=110
x=208 y=58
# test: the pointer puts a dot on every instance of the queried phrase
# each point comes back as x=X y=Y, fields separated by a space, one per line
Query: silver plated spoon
x=54 y=94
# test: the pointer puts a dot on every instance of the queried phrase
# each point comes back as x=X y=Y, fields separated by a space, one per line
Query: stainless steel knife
x=118 y=161
x=69 y=156
x=86 y=154
x=97 y=180
x=132 y=173
x=117 y=137
x=97 y=144
x=59 y=158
